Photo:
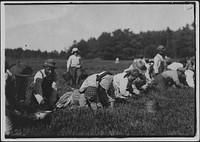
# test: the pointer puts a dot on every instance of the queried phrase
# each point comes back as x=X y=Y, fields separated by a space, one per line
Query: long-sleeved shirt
x=74 y=61
x=158 y=60
x=189 y=78
x=105 y=82
x=90 y=81
x=174 y=66
x=120 y=85
x=172 y=74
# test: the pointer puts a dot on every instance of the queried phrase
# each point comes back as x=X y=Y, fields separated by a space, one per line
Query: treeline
x=125 y=44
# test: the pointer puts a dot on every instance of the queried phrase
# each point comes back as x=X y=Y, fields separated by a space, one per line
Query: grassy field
x=176 y=116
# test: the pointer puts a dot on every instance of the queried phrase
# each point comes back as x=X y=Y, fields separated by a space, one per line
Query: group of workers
x=103 y=89
x=99 y=89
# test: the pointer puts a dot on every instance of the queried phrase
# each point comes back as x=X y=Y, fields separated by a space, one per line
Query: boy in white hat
x=74 y=66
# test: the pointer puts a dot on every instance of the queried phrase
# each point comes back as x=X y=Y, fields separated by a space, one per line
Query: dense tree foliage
x=123 y=44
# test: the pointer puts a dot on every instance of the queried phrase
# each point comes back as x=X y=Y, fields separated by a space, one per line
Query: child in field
x=145 y=79
x=124 y=84
x=74 y=66
x=98 y=88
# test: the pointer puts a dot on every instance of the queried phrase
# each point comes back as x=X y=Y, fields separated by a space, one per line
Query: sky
x=59 y=25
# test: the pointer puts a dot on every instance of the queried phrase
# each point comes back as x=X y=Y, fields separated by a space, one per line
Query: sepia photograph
x=99 y=70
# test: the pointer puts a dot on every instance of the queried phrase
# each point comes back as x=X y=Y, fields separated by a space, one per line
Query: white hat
x=74 y=50
x=161 y=48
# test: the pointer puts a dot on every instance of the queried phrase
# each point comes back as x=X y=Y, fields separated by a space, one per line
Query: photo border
x=196 y=19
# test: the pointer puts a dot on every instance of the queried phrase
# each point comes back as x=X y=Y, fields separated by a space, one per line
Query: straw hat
x=21 y=69
x=50 y=63
x=140 y=65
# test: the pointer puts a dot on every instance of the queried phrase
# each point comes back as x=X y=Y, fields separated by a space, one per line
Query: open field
x=176 y=116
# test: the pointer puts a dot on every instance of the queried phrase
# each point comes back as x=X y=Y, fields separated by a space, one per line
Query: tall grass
x=176 y=116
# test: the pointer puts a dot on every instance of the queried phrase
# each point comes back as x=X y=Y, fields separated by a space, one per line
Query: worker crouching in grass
x=175 y=78
x=143 y=82
x=16 y=81
x=97 y=89
x=44 y=87
x=124 y=84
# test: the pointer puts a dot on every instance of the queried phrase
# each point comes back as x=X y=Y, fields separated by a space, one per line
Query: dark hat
x=50 y=63
x=161 y=48
x=151 y=62
x=21 y=69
